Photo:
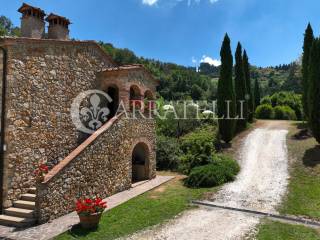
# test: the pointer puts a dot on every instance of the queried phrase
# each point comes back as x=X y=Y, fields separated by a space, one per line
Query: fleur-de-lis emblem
x=95 y=115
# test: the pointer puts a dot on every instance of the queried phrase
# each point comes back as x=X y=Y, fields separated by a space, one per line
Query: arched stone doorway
x=113 y=92
x=140 y=162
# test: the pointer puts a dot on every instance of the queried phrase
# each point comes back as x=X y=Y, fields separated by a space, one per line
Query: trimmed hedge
x=284 y=113
x=264 y=111
x=294 y=101
x=220 y=170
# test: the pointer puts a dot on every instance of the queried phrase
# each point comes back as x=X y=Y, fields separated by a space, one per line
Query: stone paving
x=62 y=224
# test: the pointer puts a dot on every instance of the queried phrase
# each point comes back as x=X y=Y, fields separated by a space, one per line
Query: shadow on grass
x=311 y=157
x=77 y=231
x=302 y=134
x=304 y=131
x=301 y=125
x=220 y=146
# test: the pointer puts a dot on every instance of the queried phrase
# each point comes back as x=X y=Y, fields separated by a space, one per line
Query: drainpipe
x=3 y=91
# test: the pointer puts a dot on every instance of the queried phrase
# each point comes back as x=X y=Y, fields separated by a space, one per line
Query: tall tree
x=226 y=95
x=256 y=93
x=314 y=89
x=240 y=89
x=7 y=28
x=308 y=39
x=249 y=97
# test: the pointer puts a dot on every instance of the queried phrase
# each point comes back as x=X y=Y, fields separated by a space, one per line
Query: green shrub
x=294 y=101
x=168 y=153
x=284 y=113
x=264 y=111
x=266 y=100
x=220 y=170
x=197 y=148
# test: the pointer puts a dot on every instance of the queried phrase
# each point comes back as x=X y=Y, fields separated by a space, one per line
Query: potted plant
x=89 y=211
x=40 y=172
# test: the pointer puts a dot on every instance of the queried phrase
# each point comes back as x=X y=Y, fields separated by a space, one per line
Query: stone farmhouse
x=41 y=73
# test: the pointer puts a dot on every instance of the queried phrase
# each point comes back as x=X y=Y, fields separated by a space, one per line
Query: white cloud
x=189 y=2
x=198 y=1
x=211 y=61
x=149 y=2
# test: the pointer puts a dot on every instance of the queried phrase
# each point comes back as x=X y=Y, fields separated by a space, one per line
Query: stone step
x=16 y=221
x=28 y=197
x=32 y=190
x=19 y=212
x=24 y=204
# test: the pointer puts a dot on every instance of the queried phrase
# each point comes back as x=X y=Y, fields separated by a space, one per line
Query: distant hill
x=280 y=78
x=176 y=82
x=179 y=82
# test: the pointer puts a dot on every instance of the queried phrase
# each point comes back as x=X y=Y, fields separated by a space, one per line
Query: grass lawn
x=304 y=188
x=273 y=230
x=146 y=210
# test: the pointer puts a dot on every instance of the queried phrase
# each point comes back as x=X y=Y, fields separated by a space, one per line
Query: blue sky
x=184 y=31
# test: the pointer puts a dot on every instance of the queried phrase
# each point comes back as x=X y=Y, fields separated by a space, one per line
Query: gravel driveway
x=260 y=186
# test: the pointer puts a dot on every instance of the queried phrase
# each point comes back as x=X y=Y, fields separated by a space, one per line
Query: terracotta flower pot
x=91 y=221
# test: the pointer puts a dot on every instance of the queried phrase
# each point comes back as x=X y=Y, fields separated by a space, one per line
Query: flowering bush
x=41 y=171
x=88 y=206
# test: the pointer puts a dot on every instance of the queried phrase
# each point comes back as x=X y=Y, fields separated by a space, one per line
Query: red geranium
x=41 y=170
x=89 y=206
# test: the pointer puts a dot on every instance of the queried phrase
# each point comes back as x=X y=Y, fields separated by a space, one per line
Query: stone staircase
x=22 y=212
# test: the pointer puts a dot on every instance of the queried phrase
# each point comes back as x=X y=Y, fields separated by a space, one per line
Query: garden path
x=259 y=186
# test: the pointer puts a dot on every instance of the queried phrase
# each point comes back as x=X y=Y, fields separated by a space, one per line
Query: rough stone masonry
x=43 y=78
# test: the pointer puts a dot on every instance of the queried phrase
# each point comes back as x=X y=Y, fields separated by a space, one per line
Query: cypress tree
x=256 y=93
x=314 y=89
x=226 y=93
x=249 y=98
x=308 y=39
x=240 y=89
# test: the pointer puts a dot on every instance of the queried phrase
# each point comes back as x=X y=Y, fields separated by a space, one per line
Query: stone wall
x=1 y=78
x=102 y=168
x=44 y=76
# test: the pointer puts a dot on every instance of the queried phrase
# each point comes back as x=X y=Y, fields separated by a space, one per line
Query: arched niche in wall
x=140 y=162
x=135 y=93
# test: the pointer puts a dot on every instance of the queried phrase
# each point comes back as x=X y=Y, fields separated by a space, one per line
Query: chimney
x=58 y=27
x=32 y=21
